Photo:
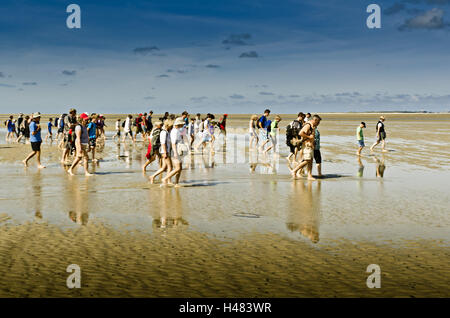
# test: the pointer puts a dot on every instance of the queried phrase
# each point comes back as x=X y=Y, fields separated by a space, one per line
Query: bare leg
x=31 y=155
x=38 y=157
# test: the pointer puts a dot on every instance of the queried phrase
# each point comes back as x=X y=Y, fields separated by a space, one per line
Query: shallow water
x=234 y=193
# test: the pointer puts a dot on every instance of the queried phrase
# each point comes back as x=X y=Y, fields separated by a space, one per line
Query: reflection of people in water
x=78 y=201
x=360 y=168
x=380 y=167
x=304 y=212
x=166 y=208
x=36 y=182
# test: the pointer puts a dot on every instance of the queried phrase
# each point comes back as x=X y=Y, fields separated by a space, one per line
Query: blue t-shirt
x=92 y=129
x=49 y=126
x=263 y=121
x=10 y=125
x=268 y=125
x=33 y=128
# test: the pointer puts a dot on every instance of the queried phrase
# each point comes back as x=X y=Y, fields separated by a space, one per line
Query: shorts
x=118 y=132
x=361 y=143
x=36 y=146
x=83 y=151
x=317 y=156
x=263 y=135
x=60 y=130
x=93 y=142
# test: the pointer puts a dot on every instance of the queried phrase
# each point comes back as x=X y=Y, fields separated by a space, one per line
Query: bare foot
x=25 y=163
x=385 y=150
x=151 y=179
x=177 y=186
x=87 y=174
x=70 y=172
x=311 y=178
x=41 y=167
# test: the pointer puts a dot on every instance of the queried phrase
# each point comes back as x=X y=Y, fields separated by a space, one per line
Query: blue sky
x=235 y=56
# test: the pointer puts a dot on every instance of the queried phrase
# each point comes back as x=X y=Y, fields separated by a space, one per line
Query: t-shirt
x=164 y=138
x=274 y=128
x=175 y=138
x=197 y=125
x=317 y=139
x=37 y=136
x=117 y=125
x=263 y=121
x=92 y=129
x=10 y=125
x=359 y=133
x=84 y=134
x=127 y=127
x=49 y=126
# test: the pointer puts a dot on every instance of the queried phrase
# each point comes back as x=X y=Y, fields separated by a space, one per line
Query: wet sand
x=238 y=226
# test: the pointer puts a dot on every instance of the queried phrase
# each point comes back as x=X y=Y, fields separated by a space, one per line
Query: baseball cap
x=84 y=116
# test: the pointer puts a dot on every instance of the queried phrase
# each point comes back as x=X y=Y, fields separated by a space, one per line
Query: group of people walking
x=171 y=137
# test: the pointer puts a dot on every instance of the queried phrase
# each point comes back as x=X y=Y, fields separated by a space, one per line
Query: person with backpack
x=263 y=129
x=381 y=135
x=153 y=145
x=309 y=136
x=165 y=150
x=137 y=124
x=127 y=128
x=81 y=145
x=293 y=139
x=117 y=134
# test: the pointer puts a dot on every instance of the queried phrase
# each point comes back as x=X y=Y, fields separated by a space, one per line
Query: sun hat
x=158 y=123
x=179 y=121
x=168 y=122
x=36 y=115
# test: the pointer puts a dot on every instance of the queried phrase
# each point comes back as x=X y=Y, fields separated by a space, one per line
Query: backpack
x=292 y=131
x=156 y=142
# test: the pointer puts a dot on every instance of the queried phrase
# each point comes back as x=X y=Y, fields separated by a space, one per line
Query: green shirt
x=273 y=128
x=359 y=133
x=317 y=139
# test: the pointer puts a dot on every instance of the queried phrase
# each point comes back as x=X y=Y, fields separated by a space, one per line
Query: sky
x=233 y=56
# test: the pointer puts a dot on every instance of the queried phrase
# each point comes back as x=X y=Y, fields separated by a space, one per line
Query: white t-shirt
x=117 y=125
x=175 y=138
x=206 y=126
x=164 y=138
x=127 y=127
x=197 y=125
